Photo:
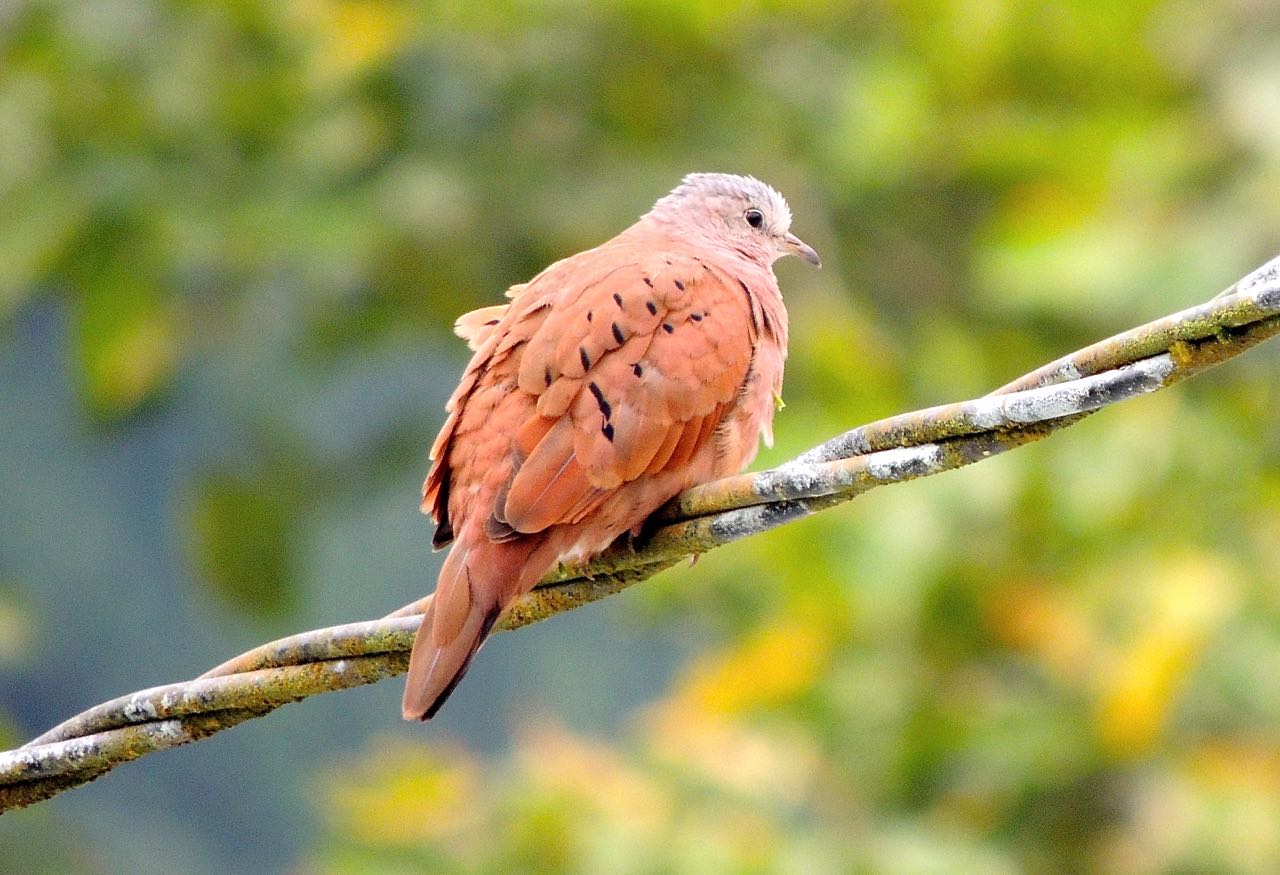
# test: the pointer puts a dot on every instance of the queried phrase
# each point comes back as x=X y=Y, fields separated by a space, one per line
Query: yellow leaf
x=404 y=794
x=353 y=35
x=1192 y=594
x=773 y=665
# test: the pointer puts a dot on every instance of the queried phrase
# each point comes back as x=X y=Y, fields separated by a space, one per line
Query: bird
x=606 y=385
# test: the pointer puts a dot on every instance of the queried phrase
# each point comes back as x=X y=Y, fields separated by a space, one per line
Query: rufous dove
x=613 y=380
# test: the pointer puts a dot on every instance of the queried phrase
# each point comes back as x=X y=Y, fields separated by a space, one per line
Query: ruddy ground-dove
x=612 y=381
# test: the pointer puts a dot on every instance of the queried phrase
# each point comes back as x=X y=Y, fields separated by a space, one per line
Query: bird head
x=738 y=211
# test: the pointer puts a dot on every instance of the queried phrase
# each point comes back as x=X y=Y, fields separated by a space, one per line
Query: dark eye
x=754 y=217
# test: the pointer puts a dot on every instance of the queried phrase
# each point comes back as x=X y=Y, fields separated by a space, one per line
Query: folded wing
x=631 y=370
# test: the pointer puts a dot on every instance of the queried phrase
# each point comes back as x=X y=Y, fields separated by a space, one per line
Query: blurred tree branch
x=904 y=447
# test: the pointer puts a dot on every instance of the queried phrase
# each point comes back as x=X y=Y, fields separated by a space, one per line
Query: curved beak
x=795 y=246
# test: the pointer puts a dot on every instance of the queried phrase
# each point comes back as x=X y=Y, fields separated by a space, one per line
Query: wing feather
x=638 y=375
x=631 y=366
x=476 y=326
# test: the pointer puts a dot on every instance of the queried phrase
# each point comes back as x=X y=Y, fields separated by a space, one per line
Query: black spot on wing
x=604 y=405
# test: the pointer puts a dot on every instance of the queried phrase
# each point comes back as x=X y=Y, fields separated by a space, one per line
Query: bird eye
x=754 y=217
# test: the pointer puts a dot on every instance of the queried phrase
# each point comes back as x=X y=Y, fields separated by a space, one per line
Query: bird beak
x=795 y=246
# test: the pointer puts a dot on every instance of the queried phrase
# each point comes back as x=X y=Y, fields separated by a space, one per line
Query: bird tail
x=477 y=582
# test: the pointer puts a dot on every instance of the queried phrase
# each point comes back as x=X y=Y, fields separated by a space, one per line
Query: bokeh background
x=234 y=237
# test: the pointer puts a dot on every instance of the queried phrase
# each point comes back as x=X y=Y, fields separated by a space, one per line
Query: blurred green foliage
x=1061 y=660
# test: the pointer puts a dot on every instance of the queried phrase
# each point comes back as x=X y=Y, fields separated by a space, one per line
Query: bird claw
x=629 y=541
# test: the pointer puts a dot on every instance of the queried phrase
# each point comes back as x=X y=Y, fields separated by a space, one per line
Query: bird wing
x=476 y=326
x=631 y=369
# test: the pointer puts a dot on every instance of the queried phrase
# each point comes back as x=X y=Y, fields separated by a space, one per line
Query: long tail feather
x=434 y=671
x=477 y=582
